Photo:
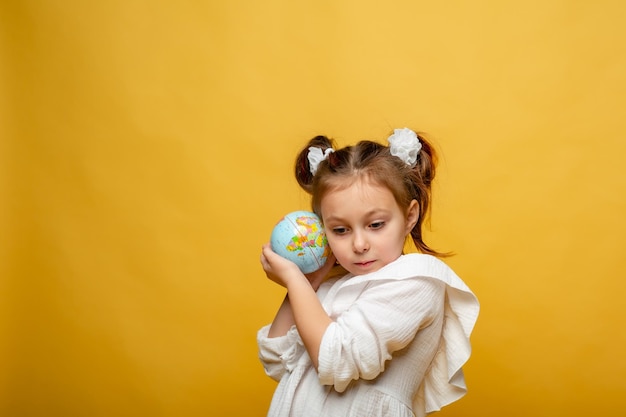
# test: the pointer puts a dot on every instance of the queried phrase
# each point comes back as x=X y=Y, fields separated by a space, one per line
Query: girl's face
x=366 y=228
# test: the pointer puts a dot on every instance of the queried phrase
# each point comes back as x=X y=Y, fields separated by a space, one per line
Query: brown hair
x=375 y=162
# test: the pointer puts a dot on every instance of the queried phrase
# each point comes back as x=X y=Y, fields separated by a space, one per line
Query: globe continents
x=300 y=237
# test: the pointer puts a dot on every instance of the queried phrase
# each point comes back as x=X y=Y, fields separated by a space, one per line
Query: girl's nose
x=359 y=243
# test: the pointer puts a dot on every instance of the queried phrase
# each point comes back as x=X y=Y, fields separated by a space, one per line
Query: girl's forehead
x=359 y=202
x=359 y=189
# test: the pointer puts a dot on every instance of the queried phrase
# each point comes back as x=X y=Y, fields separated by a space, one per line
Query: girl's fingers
x=267 y=251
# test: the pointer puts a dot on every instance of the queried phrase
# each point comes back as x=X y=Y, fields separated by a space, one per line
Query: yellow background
x=146 y=152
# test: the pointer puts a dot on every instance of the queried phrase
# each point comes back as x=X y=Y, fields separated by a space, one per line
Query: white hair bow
x=405 y=144
x=316 y=156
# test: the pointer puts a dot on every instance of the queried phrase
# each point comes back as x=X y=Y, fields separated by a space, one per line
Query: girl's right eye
x=339 y=230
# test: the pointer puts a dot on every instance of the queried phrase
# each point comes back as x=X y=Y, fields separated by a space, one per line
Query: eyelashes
x=344 y=230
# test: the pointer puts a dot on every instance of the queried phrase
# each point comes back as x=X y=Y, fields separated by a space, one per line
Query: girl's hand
x=277 y=268
x=281 y=270
x=316 y=278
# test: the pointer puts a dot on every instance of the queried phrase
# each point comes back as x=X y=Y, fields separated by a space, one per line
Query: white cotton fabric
x=398 y=340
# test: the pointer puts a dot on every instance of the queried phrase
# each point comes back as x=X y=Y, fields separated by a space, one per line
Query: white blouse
x=398 y=340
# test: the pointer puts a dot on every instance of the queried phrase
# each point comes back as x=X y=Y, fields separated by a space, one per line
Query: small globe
x=300 y=237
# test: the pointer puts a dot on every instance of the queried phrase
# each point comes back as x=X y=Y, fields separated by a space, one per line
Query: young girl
x=390 y=335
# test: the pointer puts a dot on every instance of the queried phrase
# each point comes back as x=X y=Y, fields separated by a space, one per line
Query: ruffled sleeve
x=444 y=382
x=279 y=354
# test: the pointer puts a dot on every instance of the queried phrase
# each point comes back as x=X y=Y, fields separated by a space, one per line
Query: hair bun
x=303 y=170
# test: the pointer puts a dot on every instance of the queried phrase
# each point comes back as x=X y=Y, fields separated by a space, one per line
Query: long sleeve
x=279 y=354
x=384 y=318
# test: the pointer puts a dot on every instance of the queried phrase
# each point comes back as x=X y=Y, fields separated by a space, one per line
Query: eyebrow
x=371 y=213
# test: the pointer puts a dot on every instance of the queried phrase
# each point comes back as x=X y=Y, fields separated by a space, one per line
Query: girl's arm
x=301 y=306
x=283 y=320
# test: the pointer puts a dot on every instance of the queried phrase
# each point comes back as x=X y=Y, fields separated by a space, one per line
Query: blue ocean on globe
x=300 y=237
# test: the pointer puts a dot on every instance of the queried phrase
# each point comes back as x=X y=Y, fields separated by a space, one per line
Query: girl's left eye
x=377 y=225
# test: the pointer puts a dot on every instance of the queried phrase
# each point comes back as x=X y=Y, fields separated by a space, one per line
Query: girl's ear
x=412 y=215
